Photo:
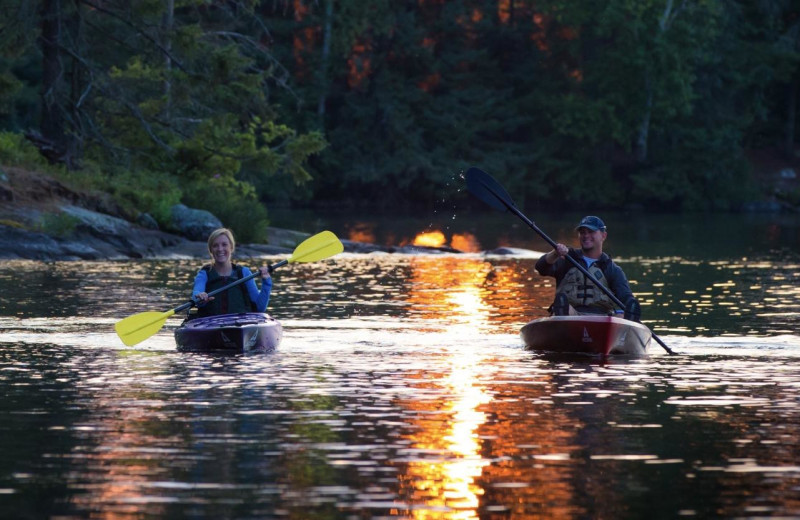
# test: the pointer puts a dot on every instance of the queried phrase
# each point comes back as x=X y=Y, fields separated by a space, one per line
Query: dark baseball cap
x=592 y=223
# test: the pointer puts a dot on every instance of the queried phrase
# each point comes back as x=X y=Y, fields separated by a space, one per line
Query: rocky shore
x=42 y=219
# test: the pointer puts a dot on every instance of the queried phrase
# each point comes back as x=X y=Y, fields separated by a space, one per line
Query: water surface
x=401 y=390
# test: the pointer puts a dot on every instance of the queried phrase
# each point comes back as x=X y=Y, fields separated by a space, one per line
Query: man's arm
x=619 y=284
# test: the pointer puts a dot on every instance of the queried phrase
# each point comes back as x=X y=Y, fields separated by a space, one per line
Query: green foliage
x=143 y=191
x=10 y=86
x=58 y=225
x=15 y=150
x=228 y=105
x=11 y=223
x=235 y=204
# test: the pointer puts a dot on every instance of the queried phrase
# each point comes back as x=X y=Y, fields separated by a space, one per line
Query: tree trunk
x=323 y=68
x=52 y=121
x=59 y=133
x=169 y=21
x=791 y=118
x=640 y=145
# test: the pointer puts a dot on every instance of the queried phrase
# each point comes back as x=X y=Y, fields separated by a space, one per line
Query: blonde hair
x=219 y=232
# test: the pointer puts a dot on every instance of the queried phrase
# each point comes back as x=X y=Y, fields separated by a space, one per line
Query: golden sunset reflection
x=446 y=485
x=464 y=242
x=430 y=239
x=366 y=233
x=471 y=289
x=361 y=232
x=454 y=477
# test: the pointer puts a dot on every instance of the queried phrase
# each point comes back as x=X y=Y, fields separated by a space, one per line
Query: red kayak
x=587 y=334
x=246 y=332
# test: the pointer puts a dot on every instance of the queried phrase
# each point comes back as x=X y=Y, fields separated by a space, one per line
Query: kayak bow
x=245 y=332
x=586 y=334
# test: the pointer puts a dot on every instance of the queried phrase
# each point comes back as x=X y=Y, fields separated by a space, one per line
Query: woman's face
x=221 y=249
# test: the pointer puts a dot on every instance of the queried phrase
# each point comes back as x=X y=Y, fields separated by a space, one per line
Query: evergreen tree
x=228 y=103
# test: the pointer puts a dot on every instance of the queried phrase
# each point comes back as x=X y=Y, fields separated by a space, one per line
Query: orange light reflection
x=448 y=485
x=465 y=242
x=430 y=239
x=498 y=296
x=361 y=232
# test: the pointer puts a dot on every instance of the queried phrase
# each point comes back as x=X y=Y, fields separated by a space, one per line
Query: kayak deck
x=587 y=334
x=245 y=332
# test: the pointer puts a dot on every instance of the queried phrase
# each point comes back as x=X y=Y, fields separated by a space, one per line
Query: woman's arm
x=199 y=283
x=260 y=298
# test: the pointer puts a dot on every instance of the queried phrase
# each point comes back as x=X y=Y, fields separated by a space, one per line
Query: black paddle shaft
x=483 y=186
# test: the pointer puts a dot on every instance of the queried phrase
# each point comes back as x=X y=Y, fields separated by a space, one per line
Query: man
x=575 y=292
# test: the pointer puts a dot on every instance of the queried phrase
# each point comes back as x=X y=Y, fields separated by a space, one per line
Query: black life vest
x=232 y=301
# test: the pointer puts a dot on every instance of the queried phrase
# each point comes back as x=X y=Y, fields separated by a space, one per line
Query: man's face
x=591 y=240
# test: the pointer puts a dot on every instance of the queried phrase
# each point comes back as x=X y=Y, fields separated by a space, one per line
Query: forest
x=236 y=105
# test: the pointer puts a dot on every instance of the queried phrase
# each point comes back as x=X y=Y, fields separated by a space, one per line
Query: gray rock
x=362 y=247
x=194 y=224
x=257 y=250
x=285 y=237
x=514 y=251
x=99 y=222
x=146 y=221
x=5 y=191
x=18 y=243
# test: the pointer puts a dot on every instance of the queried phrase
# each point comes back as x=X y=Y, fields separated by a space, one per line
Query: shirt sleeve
x=620 y=286
x=557 y=269
x=544 y=268
x=260 y=298
x=200 y=282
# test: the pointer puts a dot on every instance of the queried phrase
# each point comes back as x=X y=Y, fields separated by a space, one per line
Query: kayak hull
x=245 y=332
x=586 y=334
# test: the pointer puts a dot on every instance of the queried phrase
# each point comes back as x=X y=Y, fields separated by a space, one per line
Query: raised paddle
x=483 y=186
x=139 y=327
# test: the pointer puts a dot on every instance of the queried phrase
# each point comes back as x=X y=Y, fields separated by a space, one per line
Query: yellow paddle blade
x=139 y=327
x=320 y=246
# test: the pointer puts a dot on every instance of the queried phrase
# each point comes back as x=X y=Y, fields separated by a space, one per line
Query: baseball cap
x=592 y=222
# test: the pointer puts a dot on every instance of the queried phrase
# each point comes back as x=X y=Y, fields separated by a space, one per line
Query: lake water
x=402 y=390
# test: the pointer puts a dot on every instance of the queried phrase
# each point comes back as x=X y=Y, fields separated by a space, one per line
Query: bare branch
x=144 y=33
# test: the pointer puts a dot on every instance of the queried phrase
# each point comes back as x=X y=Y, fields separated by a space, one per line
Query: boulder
x=285 y=237
x=194 y=224
x=146 y=221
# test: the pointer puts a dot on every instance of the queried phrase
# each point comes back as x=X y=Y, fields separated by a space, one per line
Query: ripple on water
x=401 y=389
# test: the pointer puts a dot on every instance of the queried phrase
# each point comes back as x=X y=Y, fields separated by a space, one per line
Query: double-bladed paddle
x=139 y=327
x=483 y=186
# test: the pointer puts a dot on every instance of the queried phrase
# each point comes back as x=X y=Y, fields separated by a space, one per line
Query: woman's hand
x=264 y=272
x=202 y=298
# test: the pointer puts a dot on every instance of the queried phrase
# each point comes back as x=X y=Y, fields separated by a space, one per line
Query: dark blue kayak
x=246 y=332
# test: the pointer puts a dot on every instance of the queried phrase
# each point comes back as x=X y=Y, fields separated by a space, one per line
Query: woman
x=244 y=297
